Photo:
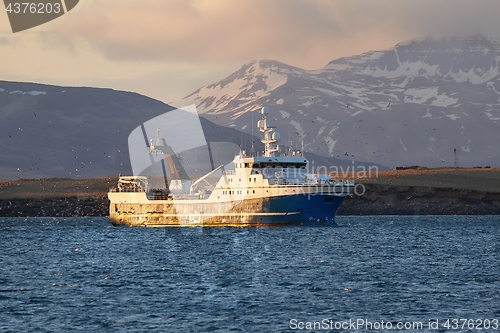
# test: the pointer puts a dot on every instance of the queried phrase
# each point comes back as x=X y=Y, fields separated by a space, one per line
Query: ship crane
x=204 y=177
x=179 y=179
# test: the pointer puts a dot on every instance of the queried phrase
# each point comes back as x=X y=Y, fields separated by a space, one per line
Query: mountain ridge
x=411 y=104
x=82 y=132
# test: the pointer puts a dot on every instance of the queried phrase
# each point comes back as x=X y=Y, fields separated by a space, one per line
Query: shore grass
x=47 y=188
x=478 y=179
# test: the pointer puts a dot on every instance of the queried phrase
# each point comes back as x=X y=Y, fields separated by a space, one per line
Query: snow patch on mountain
x=328 y=92
x=284 y=114
x=405 y=69
x=491 y=85
x=321 y=130
x=423 y=95
x=330 y=143
x=254 y=80
x=298 y=128
x=453 y=116
x=20 y=92
x=401 y=143
x=420 y=95
x=476 y=76
x=274 y=80
x=36 y=93
x=411 y=104
x=428 y=114
x=491 y=117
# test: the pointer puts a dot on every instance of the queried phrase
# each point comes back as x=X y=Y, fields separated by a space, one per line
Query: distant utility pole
x=455 y=156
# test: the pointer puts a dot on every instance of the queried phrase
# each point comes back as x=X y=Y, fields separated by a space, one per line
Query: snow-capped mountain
x=412 y=104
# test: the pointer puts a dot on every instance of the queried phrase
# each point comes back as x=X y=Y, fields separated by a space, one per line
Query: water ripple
x=81 y=274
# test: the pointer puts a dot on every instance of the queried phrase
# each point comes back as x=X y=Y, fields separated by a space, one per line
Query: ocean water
x=83 y=275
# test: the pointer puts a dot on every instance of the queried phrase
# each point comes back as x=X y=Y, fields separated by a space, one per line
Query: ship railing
x=129 y=189
x=341 y=182
x=298 y=182
x=286 y=182
x=293 y=181
x=158 y=195
x=183 y=196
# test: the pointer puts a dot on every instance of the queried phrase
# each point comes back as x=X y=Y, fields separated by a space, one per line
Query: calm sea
x=82 y=274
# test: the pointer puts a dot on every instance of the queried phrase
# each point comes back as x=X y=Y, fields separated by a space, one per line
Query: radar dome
x=276 y=136
x=264 y=110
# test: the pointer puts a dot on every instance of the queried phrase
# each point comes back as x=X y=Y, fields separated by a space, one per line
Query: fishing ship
x=272 y=188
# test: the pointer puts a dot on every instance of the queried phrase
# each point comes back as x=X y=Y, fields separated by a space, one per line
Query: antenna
x=252 y=149
x=302 y=147
x=242 y=145
x=270 y=136
x=158 y=137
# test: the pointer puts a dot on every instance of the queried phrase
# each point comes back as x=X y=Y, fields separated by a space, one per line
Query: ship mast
x=270 y=136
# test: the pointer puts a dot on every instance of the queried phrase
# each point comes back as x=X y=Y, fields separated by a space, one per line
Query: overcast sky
x=166 y=49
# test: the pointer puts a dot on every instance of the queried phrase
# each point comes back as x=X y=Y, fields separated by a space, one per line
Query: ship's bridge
x=283 y=162
x=286 y=168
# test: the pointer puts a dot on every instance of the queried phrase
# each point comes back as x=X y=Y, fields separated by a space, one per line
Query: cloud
x=303 y=33
x=451 y=17
x=168 y=48
x=6 y=41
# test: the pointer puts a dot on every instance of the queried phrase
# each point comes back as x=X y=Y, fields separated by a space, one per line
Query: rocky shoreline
x=445 y=191
x=383 y=199
x=55 y=207
x=423 y=191
x=378 y=200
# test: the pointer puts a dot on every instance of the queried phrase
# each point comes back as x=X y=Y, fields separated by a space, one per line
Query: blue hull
x=303 y=209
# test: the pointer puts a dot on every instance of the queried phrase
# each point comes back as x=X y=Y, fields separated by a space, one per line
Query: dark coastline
x=381 y=199
x=442 y=191
x=376 y=201
x=54 y=207
x=70 y=207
